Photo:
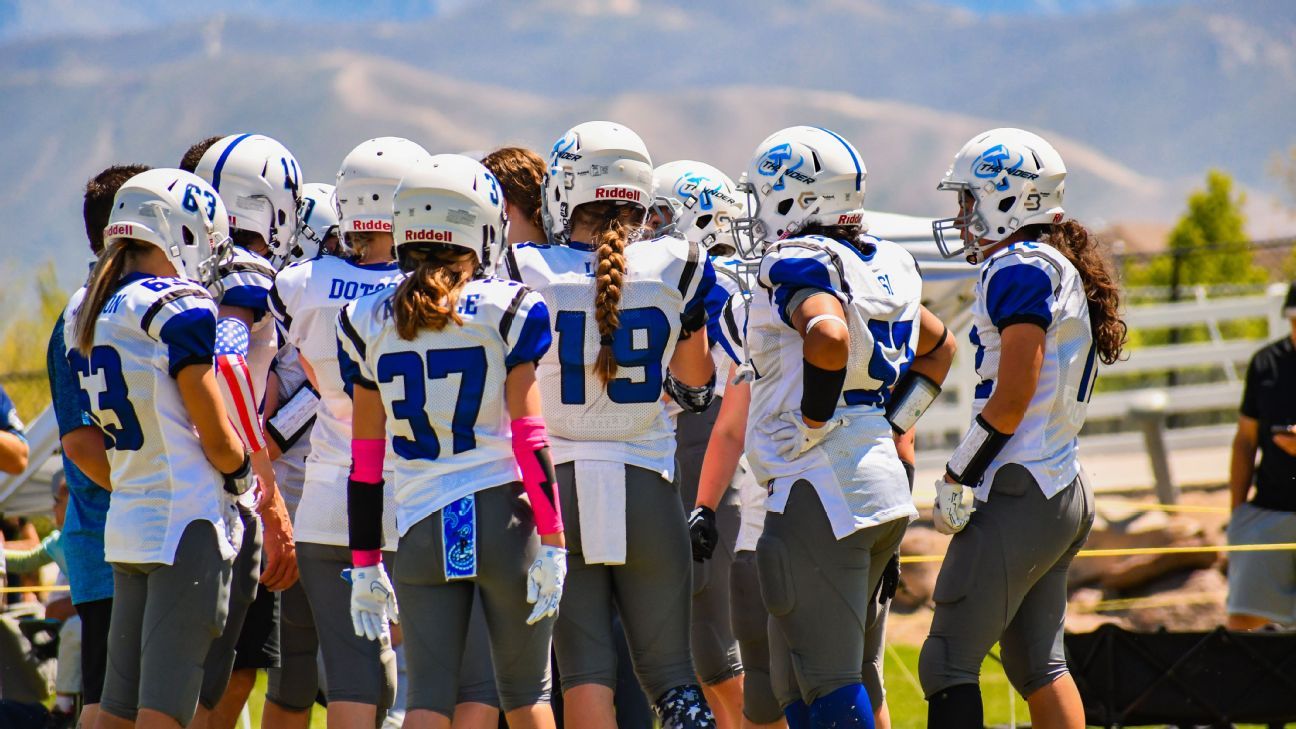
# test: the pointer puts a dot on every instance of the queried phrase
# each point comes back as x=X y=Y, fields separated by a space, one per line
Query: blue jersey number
x=884 y=366
x=104 y=395
x=648 y=325
x=415 y=371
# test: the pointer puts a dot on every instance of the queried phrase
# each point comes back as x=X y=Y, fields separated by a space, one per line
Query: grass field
x=908 y=709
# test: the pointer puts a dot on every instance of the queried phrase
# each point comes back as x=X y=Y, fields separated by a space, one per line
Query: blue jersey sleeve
x=1017 y=293
x=534 y=334
x=699 y=304
x=247 y=282
x=64 y=391
x=717 y=303
x=190 y=338
x=351 y=352
x=796 y=266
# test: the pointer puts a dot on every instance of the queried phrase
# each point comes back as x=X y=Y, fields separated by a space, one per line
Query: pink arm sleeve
x=531 y=449
x=366 y=472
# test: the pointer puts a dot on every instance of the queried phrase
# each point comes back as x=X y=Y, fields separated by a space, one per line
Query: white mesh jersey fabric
x=161 y=479
x=855 y=470
x=306 y=299
x=625 y=422
x=443 y=392
x=1045 y=442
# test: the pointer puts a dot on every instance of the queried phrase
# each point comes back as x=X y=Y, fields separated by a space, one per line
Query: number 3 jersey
x=306 y=299
x=149 y=330
x=666 y=282
x=855 y=470
x=1034 y=283
x=443 y=392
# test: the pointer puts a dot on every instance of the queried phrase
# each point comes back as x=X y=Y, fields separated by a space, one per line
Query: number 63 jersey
x=855 y=470
x=666 y=282
x=149 y=330
x=443 y=392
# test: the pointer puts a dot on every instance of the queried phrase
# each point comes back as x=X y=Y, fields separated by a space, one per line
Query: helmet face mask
x=698 y=202
x=317 y=212
x=1006 y=179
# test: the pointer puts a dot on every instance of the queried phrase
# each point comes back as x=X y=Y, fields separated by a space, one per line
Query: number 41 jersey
x=444 y=390
x=666 y=283
x=149 y=330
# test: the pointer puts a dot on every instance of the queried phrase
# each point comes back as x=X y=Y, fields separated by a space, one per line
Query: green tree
x=1208 y=246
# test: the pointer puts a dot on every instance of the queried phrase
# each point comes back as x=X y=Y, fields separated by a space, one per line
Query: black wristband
x=364 y=514
x=820 y=391
x=974 y=454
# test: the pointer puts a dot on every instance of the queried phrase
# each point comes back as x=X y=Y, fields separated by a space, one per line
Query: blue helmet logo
x=691 y=185
x=992 y=162
x=563 y=147
x=772 y=162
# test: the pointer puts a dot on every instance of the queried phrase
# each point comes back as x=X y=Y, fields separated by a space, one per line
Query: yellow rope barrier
x=1170 y=508
x=1138 y=603
x=37 y=588
x=1133 y=551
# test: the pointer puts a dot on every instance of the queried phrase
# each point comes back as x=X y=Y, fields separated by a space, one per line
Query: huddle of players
x=488 y=392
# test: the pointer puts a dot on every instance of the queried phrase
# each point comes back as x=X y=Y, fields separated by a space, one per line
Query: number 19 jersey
x=666 y=282
x=149 y=330
x=443 y=392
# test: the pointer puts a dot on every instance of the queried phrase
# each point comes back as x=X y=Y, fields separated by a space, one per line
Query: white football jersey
x=625 y=422
x=444 y=391
x=148 y=331
x=1033 y=282
x=247 y=279
x=306 y=299
x=855 y=470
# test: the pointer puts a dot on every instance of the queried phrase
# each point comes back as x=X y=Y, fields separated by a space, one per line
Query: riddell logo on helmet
x=116 y=229
x=429 y=236
x=617 y=193
x=365 y=226
x=854 y=219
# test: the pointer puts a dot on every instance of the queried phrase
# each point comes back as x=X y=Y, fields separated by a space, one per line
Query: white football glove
x=949 y=512
x=373 y=602
x=545 y=582
x=795 y=437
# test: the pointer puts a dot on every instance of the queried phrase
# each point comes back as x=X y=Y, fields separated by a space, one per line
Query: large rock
x=1141 y=530
x=1138 y=570
x=1184 y=601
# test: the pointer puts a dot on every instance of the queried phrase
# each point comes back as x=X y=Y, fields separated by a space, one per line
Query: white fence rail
x=949 y=416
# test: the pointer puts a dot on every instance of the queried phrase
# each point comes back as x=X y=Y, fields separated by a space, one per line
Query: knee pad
x=797 y=714
x=683 y=707
x=848 y=706
x=957 y=707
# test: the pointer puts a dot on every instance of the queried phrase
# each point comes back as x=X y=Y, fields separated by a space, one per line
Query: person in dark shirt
x=1262 y=585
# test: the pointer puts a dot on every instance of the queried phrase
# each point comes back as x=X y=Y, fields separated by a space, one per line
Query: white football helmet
x=702 y=200
x=180 y=213
x=593 y=162
x=1006 y=179
x=260 y=181
x=453 y=200
x=799 y=176
x=319 y=220
x=367 y=179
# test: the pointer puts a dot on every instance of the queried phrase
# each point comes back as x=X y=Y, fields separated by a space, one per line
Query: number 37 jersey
x=443 y=392
x=666 y=282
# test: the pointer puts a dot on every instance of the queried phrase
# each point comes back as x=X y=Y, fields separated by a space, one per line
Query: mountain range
x=1139 y=98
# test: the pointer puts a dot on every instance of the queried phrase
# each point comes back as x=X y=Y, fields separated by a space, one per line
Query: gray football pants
x=438 y=613
x=819 y=592
x=715 y=649
x=652 y=591
x=1004 y=579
